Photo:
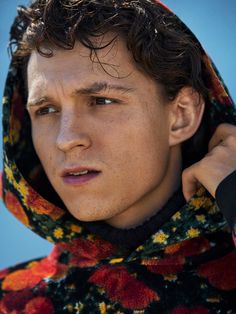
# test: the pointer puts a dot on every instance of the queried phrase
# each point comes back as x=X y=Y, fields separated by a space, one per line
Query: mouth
x=78 y=176
x=81 y=173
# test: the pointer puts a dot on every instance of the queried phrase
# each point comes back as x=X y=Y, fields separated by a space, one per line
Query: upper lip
x=70 y=170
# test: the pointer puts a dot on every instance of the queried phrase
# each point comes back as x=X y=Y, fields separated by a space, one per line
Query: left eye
x=45 y=110
x=103 y=101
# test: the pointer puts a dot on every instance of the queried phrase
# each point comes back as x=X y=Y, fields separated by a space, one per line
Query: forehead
x=81 y=66
x=114 y=59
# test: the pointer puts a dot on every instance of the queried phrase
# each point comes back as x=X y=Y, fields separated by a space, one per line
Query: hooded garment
x=187 y=264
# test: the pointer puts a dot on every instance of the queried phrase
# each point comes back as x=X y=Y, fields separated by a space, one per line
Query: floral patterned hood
x=39 y=209
x=25 y=187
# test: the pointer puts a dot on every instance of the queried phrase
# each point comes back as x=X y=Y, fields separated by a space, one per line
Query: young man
x=107 y=104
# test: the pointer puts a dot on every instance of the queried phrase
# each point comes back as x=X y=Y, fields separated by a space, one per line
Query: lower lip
x=78 y=180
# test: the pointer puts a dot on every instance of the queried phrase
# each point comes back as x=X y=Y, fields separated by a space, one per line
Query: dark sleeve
x=226 y=199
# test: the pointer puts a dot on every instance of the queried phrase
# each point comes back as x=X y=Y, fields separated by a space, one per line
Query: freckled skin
x=126 y=139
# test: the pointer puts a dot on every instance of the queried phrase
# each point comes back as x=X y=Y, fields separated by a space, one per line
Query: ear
x=185 y=115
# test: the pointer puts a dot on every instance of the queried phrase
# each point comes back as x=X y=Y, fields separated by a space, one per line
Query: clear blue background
x=213 y=21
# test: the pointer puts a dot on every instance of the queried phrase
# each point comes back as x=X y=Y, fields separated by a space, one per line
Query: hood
x=29 y=196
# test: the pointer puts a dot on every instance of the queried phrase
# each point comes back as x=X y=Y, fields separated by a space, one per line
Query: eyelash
x=112 y=101
x=41 y=111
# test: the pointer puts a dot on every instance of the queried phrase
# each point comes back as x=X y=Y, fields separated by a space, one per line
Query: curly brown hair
x=159 y=42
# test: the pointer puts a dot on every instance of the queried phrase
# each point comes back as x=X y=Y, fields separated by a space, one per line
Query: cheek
x=139 y=149
x=43 y=145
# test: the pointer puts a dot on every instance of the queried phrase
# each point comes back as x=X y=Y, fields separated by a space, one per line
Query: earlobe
x=185 y=115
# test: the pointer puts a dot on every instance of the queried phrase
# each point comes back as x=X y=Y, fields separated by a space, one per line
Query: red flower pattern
x=15 y=208
x=123 y=287
x=174 y=259
x=28 y=278
x=165 y=266
x=189 y=247
x=24 y=302
x=87 y=253
x=3 y=273
x=221 y=273
x=41 y=206
x=39 y=305
x=14 y=302
x=216 y=86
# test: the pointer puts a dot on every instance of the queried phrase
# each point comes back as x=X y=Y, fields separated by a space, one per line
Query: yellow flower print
x=32 y=264
x=213 y=210
x=201 y=202
x=116 y=260
x=160 y=237
x=58 y=233
x=208 y=203
x=70 y=308
x=176 y=216
x=170 y=277
x=50 y=239
x=21 y=188
x=75 y=228
x=6 y=139
x=9 y=174
x=5 y=100
x=102 y=308
x=90 y=237
x=78 y=307
x=193 y=232
x=71 y=286
x=140 y=248
x=201 y=218
x=198 y=202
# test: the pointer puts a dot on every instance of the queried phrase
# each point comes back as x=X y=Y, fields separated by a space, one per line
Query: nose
x=73 y=133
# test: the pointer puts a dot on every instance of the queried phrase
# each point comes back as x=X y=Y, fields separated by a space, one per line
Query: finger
x=190 y=184
x=222 y=131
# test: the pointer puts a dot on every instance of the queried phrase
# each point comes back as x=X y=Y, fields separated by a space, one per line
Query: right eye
x=45 y=110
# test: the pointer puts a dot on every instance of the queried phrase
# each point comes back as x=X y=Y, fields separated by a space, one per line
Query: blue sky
x=214 y=24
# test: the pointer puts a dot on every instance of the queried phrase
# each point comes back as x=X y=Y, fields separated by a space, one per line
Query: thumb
x=190 y=183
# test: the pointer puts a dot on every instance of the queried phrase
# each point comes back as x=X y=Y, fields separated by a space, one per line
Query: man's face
x=101 y=132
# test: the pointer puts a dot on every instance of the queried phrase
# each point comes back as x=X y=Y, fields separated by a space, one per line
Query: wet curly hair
x=161 y=45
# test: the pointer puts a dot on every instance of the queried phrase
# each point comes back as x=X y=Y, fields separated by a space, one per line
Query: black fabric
x=133 y=237
x=226 y=198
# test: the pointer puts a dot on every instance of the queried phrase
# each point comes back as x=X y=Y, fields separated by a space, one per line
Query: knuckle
x=222 y=127
x=231 y=140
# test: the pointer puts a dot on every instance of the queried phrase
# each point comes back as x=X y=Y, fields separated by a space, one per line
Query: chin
x=86 y=215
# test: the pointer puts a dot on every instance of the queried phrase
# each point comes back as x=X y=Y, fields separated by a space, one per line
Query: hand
x=215 y=166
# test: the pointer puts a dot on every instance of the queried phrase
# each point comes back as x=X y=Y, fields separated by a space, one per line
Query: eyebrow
x=38 y=101
x=98 y=87
x=94 y=88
